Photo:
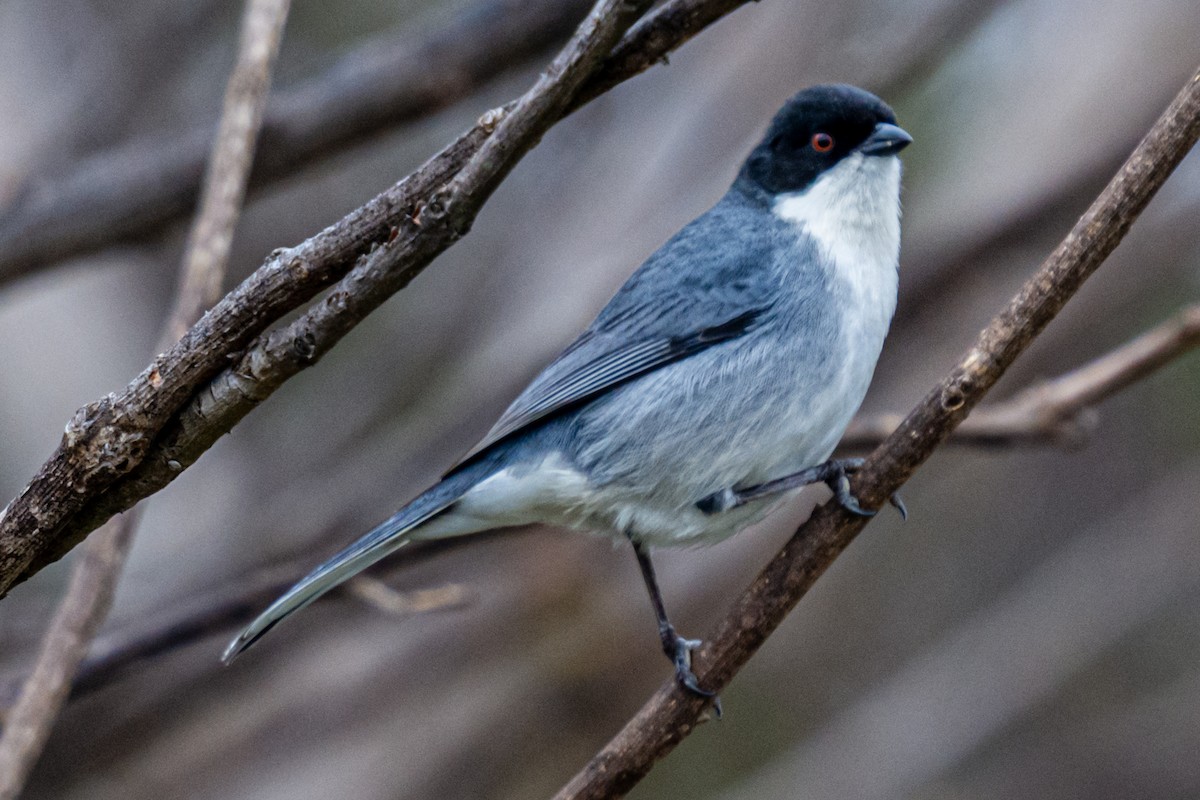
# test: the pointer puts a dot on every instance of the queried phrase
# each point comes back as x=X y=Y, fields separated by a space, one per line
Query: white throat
x=853 y=213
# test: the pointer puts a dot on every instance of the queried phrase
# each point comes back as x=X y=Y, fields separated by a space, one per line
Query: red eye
x=822 y=142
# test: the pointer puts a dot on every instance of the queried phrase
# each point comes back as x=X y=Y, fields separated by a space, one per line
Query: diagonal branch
x=137 y=189
x=402 y=229
x=672 y=713
x=1056 y=410
x=94 y=579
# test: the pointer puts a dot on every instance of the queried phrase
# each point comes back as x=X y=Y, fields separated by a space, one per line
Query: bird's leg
x=833 y=473
x=677 y=648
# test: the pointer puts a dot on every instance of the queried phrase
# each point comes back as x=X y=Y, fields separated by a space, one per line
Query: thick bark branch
x=672 y=713
x=1058 y=410
x=136 y=190
x=390 y=239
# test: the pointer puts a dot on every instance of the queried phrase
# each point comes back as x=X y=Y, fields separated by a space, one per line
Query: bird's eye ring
x=822 y=142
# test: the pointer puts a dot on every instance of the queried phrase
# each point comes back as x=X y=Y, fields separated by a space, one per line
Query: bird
x=718 y=378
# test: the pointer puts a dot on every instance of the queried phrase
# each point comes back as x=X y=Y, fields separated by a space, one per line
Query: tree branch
x=388 y=241
x=672 y=713
x=137 y=189
x=1056 y=410
x=94 y=579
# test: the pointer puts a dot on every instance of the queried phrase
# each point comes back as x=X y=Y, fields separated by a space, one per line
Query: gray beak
x=885 y=140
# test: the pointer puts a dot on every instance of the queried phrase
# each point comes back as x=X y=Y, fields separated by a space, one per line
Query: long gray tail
x=380 y=542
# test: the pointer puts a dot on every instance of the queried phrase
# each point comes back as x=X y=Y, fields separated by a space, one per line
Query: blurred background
x=1033 y=630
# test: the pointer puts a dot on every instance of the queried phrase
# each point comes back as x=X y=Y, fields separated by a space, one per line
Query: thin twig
x=136 y=189
x=407 y=226
x=1057 y=410
x=211 y=237
x=672 y=713
x=94 y=579
x=396 y=603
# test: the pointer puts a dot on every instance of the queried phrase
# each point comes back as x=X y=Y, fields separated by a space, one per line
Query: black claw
x=841 y=489
x=896 y=501
x=687 y=679
x=679 y=650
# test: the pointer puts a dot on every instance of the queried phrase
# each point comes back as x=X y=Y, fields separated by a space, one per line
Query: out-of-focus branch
x=387 y=242
x=1058 y=410
x=89 y=595
x=112 y=655
x=135 y=190
x=94 y=579
x=382 y=597
x=673 y=713
x=190 y=619
x=936 y=278
x=207 y=252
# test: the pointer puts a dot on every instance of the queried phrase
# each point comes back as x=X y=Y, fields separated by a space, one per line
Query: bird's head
x=816 y=131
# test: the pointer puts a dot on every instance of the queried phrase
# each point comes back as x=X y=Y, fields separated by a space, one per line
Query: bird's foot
x=834 y=473
x=838 y=480
x=679 y=650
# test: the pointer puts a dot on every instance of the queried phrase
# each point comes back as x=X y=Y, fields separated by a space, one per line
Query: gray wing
x=582 y=373
x=687 y=297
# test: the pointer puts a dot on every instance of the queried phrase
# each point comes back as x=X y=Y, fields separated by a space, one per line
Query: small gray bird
x=721 y=375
